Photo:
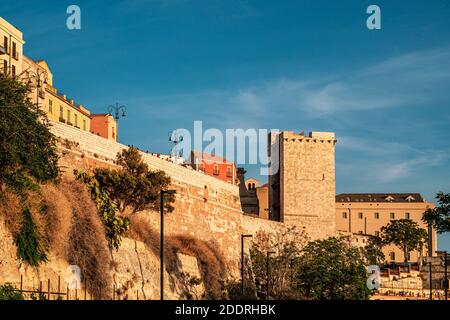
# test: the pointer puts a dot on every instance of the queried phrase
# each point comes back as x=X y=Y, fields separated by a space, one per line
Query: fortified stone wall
x=305 y=190
x=206 y=208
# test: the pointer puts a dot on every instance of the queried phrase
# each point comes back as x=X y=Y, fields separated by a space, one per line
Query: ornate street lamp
x=39 y=78
x=116 y=109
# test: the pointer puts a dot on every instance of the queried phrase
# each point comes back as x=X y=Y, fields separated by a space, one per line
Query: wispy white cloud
x=405 y=80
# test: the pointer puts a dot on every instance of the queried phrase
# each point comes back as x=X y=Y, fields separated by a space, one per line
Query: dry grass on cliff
x=88 y=247
x=212 y=265
x=9 y=210
x=58 y=219
x=67 y=219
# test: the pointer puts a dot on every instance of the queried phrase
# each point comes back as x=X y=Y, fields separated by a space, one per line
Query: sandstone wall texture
x=307 y=182
x=206 y=208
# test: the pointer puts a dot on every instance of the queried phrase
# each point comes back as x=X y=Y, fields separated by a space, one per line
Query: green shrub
x=28 y=241
x=9 y=292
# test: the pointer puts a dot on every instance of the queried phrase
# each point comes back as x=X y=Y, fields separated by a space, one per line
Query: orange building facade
x=104 y=125
x=214 y=166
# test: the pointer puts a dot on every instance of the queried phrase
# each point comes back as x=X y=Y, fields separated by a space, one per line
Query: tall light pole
x=40 y=78
x=444 y=253
x=267 y=273
x=243 y=236
x=117 y=111
x=161 y=249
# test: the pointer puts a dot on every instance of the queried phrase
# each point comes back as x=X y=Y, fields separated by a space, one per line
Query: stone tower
x=302 y=190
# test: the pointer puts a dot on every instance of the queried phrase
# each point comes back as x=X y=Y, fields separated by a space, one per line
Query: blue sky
x=291 y=65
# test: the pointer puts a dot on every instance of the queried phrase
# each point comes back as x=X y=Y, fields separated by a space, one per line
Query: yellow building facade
x=56 y=105
x=365 y=214
x=11 y=48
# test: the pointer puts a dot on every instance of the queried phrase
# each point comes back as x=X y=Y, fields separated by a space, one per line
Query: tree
x=439 y=217
x=332 y=269
x=405 y=234
x=373 y=250
x=115 y=226
x=134 y=186
x=285 y=247
x=27 y=147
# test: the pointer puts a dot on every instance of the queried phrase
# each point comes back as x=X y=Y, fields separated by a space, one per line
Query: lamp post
x=243 y=236
x=267 y=272
x=40 y=78
x=161 y=249
x=444 y=253
x=115 y=111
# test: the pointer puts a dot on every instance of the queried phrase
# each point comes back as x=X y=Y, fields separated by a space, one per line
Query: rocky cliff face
x=74 y=236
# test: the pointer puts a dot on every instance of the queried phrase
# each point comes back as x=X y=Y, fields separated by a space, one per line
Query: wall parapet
x=108 y=149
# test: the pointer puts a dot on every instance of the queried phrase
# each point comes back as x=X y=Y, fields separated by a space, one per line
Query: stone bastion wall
x=206 y=208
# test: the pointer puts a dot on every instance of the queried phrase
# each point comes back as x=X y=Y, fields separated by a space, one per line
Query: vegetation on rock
x=9 y=292
x=134 y=186
x=27 y=147
x=115 y=226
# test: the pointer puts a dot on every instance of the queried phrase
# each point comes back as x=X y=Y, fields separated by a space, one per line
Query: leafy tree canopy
x=405 y=234
x=332 y=269
x=284 y=248
x=439 y=217
x=374 y=250
x=134 y=186
x=27 y=148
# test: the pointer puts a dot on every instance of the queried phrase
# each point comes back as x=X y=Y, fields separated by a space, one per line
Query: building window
x=407 y=215
x=216 y=170
x=61 y=113
x=392 y=256
x=344 y=215
x=75 y=119
x=14 y=50
x=377 y=215
x=392 y=214
x=360 y=215
x=13 y=70
x=84 y=125
x=50 y=106
x=5 y=43
x=68 y=117
x=5 y=66
x=360 y=232
x=408 y=256
x=229 y=172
